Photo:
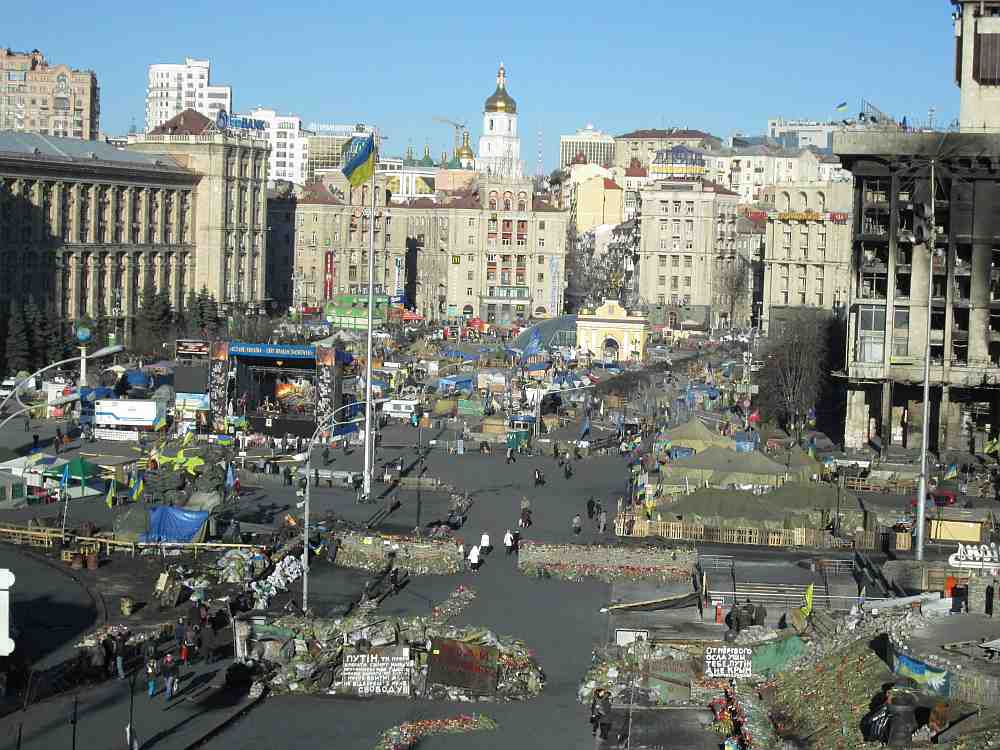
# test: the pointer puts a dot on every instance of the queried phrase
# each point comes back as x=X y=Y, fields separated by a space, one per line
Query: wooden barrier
x=680 y=531
x=35 y=537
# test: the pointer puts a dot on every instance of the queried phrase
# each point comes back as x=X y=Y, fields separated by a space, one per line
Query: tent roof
x=696 y=431
x=714 y=502
x=721 y=459
x=79 y=468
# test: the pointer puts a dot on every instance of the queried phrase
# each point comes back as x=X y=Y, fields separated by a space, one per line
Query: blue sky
x=716 y=65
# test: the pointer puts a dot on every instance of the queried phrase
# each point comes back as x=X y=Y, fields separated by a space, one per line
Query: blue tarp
x=174 y=524
x=137 y=378
x=537 y=366
x=456 y=382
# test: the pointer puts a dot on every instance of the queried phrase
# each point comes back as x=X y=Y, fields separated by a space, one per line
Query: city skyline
x=605 y=72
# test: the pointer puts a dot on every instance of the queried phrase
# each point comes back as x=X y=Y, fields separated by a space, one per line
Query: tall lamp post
x=328 y=423
x=102 y=352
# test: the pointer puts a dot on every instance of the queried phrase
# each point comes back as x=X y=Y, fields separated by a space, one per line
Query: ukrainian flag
x=137 y=489
x=952 y=472
x=842 y=107
x=359 y=159
x=110 y=499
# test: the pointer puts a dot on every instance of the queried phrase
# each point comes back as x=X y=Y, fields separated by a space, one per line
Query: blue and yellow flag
x=110 y=499
x=842 y=107
x=137 y=489
x=952 y=472
x=358 y=157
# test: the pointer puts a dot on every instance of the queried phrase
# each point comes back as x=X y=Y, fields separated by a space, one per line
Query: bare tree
x=796 y=364
x=733 y=287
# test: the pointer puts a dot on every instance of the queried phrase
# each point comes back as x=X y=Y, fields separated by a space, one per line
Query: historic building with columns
x=86 y=227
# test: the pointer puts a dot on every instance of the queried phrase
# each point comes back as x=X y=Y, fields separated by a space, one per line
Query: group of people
x=511 y=543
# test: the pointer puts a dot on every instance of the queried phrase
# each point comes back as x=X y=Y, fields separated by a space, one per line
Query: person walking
x=119 y=648
x=516 y=545
x=508 y=542
x=34 y=443
x=484 y=544
x=27 y=423
x=169 y=675
x=510 y=455
x=326 y=454
x=567 y=469
x=604 y=714
x=602 y=521
x=152 y=668
x=539 y=478
x=474 y=561
x=591 y=506
x=58 y=441
x=179 y=632
x=577 y=524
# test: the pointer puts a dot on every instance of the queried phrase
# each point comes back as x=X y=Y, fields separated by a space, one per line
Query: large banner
x=463 y=665
x=218 y=384
x=326 y=382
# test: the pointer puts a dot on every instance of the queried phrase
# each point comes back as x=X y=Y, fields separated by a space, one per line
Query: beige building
x=597 y=201
x=612 y=333
x=85 y=227
x=643 y=145
x=494 y=251
x=977 y=26
x=38 y=97
x=807 y=248
x=688 y=235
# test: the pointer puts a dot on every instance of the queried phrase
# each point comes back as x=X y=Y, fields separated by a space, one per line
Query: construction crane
x=460 y=129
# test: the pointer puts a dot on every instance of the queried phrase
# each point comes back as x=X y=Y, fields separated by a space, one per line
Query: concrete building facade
x=289 y=145
x=807 y=249
x=38 y=97
x=977 y=63
x=612 y=333
x=230 y=206
x=596 y=147
x=887 y=338
x=688 y=238
x=172 y=88
x=494 y=251
x=86 y=227
x=798 y=134
x=597 y=201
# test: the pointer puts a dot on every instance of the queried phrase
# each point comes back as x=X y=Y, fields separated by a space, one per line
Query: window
x=675 y=261
x=468 y=291
x=689 y=208
x=541 y=226
x=687 y=281
x=674 y=299
x=472 y=223
x=541 y=242
x=687 y=299
x=661 y=299
x=541 y=260
x=456 y=260
x=541 y=277
x=472 y=239
x=661 y=280
x=674 y=282
x=687 y=261
x=871 y=333
x=471 y=258
x=470 y=275
x=901 y=333
x=662 y=261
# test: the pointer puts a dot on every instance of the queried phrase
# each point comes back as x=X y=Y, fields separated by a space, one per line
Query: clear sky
x=716 y=65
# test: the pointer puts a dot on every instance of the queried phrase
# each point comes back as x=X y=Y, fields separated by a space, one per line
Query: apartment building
x=289 y=145
x=643 y=145
x=807 y=249
x=688 y=242
x=39 y=97
x=172 y=88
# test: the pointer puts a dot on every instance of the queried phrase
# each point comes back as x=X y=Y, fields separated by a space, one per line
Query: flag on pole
x=991 y=446
x=842 y=107
x=64 y=480
x=358 y=157
x=110 y=499
x=585 y=430
x=808 y=608
x=137 y=487
x=952 y=472
x=230 y=476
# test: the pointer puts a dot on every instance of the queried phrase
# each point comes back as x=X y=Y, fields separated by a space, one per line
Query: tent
x=733 y=467
x=800 y=464
x=694 y=434
x=79 y=469
x=168 y=524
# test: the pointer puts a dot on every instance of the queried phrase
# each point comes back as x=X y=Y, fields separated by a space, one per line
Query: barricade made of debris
x=372 y=552
x=607 y=563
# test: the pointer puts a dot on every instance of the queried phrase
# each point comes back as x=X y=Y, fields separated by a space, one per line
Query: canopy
x=79 y=469
x=694 y=434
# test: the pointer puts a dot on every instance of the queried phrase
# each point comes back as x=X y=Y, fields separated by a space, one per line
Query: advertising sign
x=975 y=556
x=192 y=401
x=463 y=665
x=226 y=121
x=191 y=348
x=728 y=662
x=272 y=351
x=129 y=413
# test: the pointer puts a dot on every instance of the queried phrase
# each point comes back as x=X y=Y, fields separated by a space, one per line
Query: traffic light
x=923 y=218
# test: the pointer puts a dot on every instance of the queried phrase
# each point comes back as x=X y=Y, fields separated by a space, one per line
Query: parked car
x=940 y=498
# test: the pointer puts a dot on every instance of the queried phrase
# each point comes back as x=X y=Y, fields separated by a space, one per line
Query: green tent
x=79 y=469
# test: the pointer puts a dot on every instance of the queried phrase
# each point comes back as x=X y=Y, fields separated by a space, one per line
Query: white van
x=402 y=408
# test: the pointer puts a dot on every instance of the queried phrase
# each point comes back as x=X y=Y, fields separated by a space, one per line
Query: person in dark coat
x=604 y=714
x=326 y=455
x=591 y=506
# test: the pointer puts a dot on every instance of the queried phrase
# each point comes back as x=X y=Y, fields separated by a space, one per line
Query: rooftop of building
x=926 y=144
x=611 y=184
x=188 y=122
x=317 y=193
x=38 y=61
x=75 y=150
x=680 y=133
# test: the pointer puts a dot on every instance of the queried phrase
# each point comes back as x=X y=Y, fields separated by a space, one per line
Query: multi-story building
x=750 y=246
x=643 y=145
x=173 y=88
x=597 y=201
x=899 y=280
x=688 y=238
x=495 y=251
x=595 y=146
x=797 y=134
x=289 y=145
x=807 y=250
x=38 y=97
x=86 y=227
x=229 y=207
x=635 y=177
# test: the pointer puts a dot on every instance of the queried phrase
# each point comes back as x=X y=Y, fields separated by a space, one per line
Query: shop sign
x=463 y=665
x=799 y=216
x=226 y=121
x=728 y=663
x=838 y=217
x=975 y=556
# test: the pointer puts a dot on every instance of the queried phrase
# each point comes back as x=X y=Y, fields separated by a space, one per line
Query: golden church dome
x=500 y=100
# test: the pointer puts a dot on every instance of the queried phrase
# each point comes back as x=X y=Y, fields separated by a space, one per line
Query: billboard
x=463 y=665
x=192 y=401
x=191 y=348
x=129 y=413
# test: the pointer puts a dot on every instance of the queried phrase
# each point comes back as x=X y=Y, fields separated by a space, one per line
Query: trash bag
x=875 y=725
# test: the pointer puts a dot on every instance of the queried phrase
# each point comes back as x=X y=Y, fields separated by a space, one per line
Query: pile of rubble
x=621 y=671
x=408 y=735
x=573 y=562
x=370 y=551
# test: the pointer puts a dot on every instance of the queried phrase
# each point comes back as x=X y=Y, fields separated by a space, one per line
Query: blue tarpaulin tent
x=454 y=383
x=175 y=525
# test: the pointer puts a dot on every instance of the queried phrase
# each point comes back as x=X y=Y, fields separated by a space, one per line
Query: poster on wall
x=218 y=384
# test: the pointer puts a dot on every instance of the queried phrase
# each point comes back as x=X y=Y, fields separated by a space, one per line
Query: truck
x=118 y=413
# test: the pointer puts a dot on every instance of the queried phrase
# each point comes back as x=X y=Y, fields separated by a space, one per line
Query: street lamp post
x=328 y=422
x=102 y=352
